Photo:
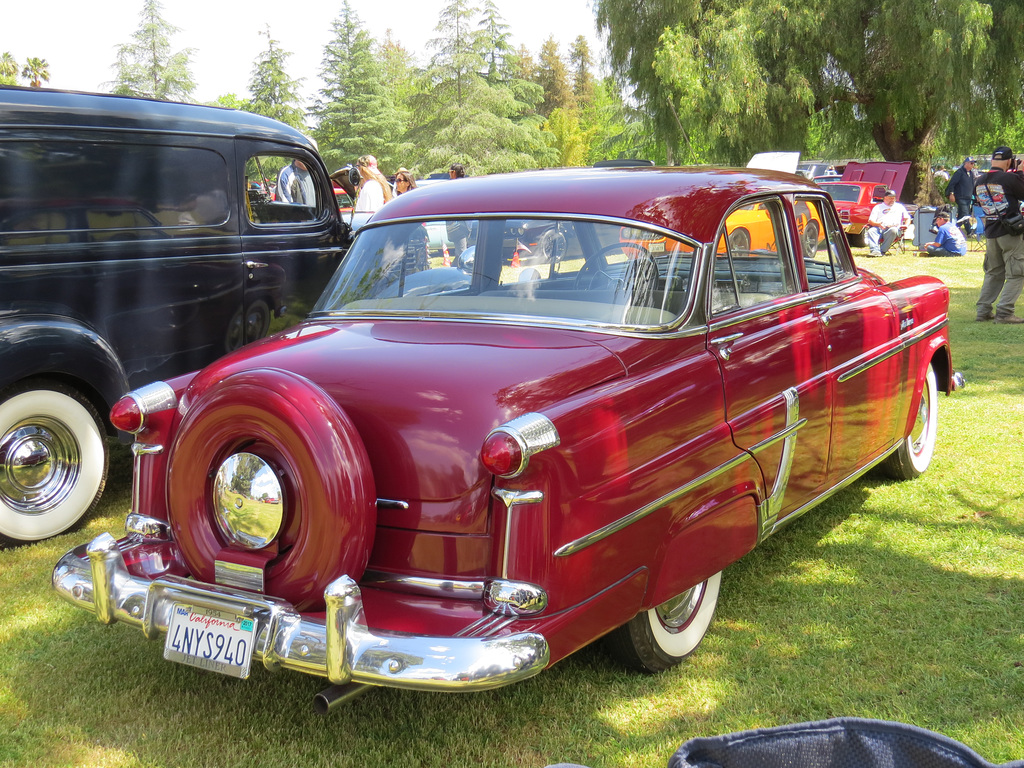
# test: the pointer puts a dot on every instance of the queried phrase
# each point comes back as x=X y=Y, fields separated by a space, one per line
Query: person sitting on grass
x=949 y=241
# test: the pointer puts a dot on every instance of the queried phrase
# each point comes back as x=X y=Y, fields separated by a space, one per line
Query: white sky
x=78 y=39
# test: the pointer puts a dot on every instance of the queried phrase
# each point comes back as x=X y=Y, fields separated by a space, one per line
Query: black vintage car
x=138 y=240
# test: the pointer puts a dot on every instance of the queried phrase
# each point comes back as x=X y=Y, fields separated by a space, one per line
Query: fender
x=49 y=345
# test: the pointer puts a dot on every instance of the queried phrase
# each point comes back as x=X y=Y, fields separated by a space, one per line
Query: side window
x=752 y=263
x=75 y=191
x=281 y=189
x=822 y=243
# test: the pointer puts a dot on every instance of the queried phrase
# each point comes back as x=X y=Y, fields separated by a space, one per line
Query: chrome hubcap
x=39 y=465
x=247 y=501
x=677 y=612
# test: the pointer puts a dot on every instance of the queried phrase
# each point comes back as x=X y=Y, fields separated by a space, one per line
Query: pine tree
x=554 y=78
x=355 y=112
x=460 y=117
x=582 y=78
x=273 y=93
x=147 y=67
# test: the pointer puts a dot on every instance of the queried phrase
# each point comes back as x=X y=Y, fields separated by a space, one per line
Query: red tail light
x=126 y=415
x=130 y=412
x=507 y=449
x=501 y=454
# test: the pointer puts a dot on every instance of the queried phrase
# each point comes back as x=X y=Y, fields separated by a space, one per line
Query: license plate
x=219 y=641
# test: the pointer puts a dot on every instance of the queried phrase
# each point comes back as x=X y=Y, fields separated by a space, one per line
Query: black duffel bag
x=844 y=742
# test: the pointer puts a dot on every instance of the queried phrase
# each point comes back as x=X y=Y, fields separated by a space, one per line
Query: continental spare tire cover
x=329 y=500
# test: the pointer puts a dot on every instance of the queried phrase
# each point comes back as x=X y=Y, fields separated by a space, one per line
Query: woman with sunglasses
x=404 y=181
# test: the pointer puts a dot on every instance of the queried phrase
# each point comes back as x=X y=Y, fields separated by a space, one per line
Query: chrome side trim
x=904 y=344
x=602 y=533
x=513 y=499
x=468 y=589
x=831 y=491
x=340 y=647
x=139 y=452
x=768 y=510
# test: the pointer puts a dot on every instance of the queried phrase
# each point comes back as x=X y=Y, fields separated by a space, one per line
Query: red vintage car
x=859 y=189
x=458 y=471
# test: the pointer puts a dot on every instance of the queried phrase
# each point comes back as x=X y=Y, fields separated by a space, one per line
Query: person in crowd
x=949 y=240
x=999 y=193
x=374 y=189
x=960 y=191
x=404 y=181
x=886 y=224
x=458 y=231
x=941 y=174
x=295 y=184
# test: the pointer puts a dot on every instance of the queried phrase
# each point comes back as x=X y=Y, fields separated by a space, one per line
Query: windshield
x=565 y=271
x=844 y=193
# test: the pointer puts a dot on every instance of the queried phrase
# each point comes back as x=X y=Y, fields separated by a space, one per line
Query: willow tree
x=749 y=75
x=147 y=66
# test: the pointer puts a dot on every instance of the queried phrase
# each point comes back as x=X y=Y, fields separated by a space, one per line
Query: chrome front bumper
x=341 y=648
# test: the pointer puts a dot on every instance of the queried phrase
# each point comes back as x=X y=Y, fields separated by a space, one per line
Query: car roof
x=690 y=201
x=48 y=107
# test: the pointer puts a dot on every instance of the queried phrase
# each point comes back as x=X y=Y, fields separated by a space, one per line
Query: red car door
x=772 y=356
x=865 y=365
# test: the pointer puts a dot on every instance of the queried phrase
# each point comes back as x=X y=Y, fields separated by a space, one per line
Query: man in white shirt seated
x=886 y=224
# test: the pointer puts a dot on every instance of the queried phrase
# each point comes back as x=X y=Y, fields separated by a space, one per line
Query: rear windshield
x=548 y=270
x=844 y=193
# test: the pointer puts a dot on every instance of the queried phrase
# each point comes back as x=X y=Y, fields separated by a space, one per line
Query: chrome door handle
x=821 y=310
x=255 y=264
x=724 y=344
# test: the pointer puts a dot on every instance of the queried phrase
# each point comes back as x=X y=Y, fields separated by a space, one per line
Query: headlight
x=248 y=501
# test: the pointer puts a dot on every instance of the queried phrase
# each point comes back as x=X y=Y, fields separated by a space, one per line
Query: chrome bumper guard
x=341 y=648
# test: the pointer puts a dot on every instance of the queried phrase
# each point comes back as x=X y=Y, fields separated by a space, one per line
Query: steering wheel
x=594 y=274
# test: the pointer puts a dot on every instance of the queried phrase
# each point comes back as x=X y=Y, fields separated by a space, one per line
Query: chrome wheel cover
x=676 y=613
x=248 y=501
x=40 y=460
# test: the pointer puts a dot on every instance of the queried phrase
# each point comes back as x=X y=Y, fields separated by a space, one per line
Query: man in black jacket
x=999 y=193
x=960 y=190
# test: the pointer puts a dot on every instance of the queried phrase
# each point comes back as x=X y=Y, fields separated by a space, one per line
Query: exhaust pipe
x=329 y=698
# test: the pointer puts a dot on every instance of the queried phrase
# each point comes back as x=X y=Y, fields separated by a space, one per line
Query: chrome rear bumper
x=341 y=648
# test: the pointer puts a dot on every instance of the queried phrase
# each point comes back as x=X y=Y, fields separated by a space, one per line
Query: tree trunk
x=898 y=146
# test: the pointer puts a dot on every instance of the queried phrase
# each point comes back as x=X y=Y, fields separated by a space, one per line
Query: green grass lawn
x=900 y=601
